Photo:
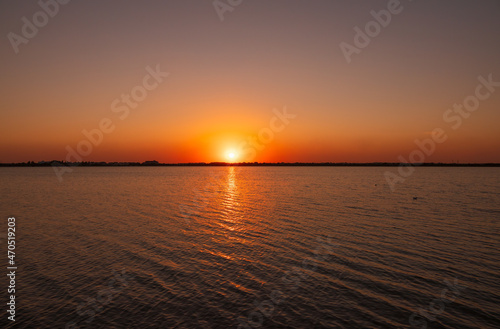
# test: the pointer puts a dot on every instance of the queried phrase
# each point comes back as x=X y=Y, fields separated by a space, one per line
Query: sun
x=231 y=155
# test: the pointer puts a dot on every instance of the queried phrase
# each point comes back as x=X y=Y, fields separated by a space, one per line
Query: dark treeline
x=243 y=164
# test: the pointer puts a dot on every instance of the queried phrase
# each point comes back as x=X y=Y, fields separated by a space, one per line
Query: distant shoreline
x=241 y=164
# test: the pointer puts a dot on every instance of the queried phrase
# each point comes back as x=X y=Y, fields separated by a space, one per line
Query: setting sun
x=231 y=155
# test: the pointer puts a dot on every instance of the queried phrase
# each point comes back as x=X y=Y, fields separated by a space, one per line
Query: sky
x=262 y=80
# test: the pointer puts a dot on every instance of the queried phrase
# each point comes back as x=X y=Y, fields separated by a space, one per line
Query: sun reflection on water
x=232 y=207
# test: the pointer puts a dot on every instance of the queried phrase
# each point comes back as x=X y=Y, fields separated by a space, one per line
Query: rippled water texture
x=254 y=247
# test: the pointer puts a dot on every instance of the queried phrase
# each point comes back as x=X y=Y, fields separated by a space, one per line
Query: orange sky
x=226 y=78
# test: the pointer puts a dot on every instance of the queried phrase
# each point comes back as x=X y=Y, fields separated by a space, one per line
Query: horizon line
x=153 y=163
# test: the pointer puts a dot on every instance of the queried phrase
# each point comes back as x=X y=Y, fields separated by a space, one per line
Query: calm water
x=295 y=247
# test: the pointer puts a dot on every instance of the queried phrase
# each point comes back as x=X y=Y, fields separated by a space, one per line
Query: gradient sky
x=226 y=77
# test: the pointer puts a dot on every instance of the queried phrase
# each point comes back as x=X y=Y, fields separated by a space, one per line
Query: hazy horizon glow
x=227 y=78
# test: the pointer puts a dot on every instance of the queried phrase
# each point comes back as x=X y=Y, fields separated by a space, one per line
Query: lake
x=253 y=247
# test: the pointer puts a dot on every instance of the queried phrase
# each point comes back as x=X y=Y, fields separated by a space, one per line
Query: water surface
x=268 y=247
